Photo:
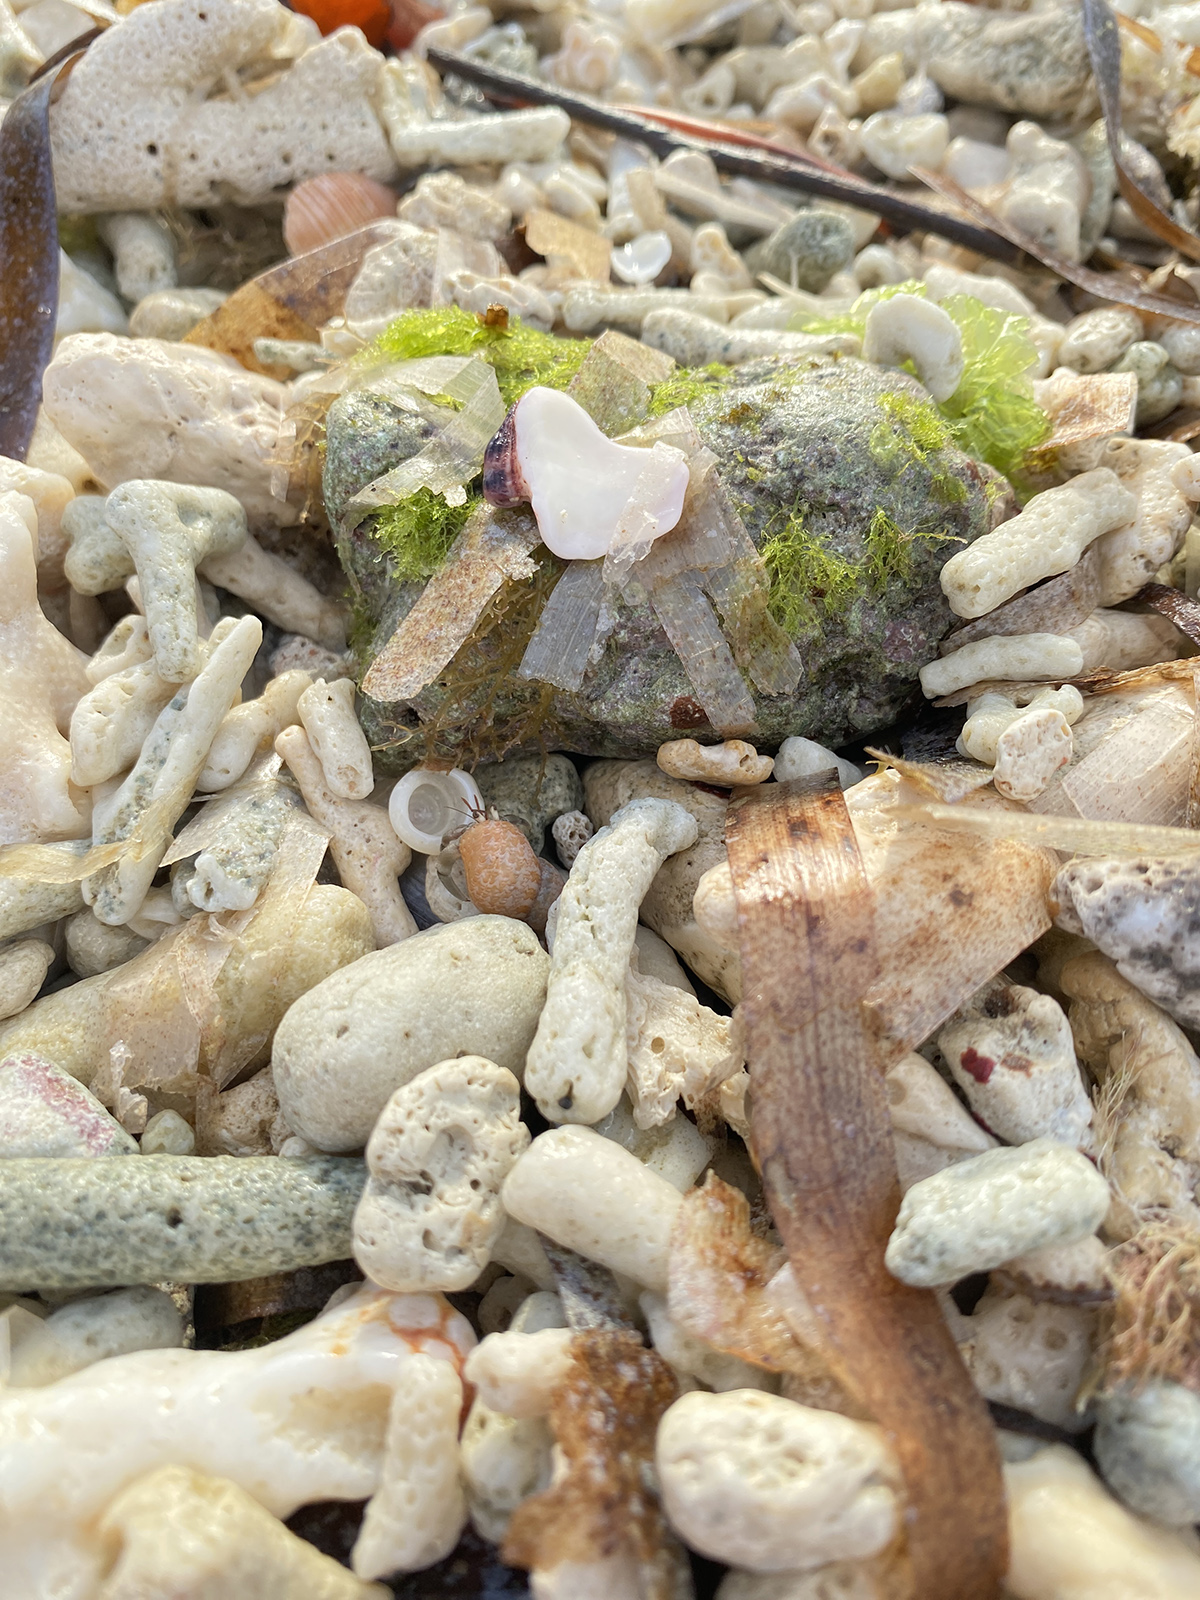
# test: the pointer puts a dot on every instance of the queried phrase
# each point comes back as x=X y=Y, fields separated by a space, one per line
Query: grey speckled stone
x=530 y=791
x=806 y=250
x=76 y=1224
x=1033 y=62
x=799 y=437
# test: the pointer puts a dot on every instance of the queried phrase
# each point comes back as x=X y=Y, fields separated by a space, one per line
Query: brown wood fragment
x=822 y=1136
x=1175 y=606
x=223 y=1305
x=290 y=301
x=605 y=1419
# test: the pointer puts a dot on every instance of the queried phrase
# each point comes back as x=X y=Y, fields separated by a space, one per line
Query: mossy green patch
x=686 y=385
x=522 y=357
x=913 y=436
x=891 y=552
x=418 y=531
x=807 y=579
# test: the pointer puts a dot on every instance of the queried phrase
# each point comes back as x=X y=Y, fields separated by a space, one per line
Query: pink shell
x=332 y=205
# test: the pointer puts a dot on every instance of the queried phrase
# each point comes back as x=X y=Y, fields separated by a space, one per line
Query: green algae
x=807 y=578
x=686 y=385
x=417 y=532
x=992 y=414
x=522 y=357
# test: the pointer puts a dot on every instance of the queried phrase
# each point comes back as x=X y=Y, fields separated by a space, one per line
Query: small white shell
x=426 y=805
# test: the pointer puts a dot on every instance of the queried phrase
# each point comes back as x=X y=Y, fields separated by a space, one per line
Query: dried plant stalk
x=1154 y=1323
x=1079 y=835
x=28 y=262
x=605 y=1419
x=822 y=1135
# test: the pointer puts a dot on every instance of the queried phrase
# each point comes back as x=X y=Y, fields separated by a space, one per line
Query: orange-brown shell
x=332 y=205
x=503 y=874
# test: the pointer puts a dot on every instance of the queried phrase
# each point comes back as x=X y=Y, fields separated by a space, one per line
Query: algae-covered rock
x=847 y=481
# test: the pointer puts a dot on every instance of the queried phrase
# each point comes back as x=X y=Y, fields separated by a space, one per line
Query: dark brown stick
x=822 y=1137
x=796 y=172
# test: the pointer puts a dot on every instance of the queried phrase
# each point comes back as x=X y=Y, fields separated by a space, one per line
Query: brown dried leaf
x=822 y=1133
x=1108 y=286
x=1175 y=606
x=605 y=1418
x=28 y=262
x=290 y=301
x=569 y=250
x=492 y=549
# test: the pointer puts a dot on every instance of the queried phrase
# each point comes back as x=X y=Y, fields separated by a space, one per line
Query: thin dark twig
x=72 y=47
x=789 y=172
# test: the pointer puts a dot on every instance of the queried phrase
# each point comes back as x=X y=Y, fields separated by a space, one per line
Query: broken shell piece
x=587 y=493
x=181 y=1532
x=909 y=328
x=426 y=805
x=640 y=260
x=931 y=1128
x=1010 y=1051
x=331 y=205
x=730 y=763
x=326 y=711
x=443 y=1145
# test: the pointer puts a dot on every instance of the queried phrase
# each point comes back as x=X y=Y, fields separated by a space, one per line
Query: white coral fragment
x=443 y=1145
x=1046 y=538
x=909 y=328
x=578 y=1062
x=773 y=1486
x=169 y=141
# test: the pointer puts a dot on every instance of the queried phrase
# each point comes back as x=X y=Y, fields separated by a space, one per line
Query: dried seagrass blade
x=1173 y=605
x=28 y=262
x=822 y=1136
x=1104 y=48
